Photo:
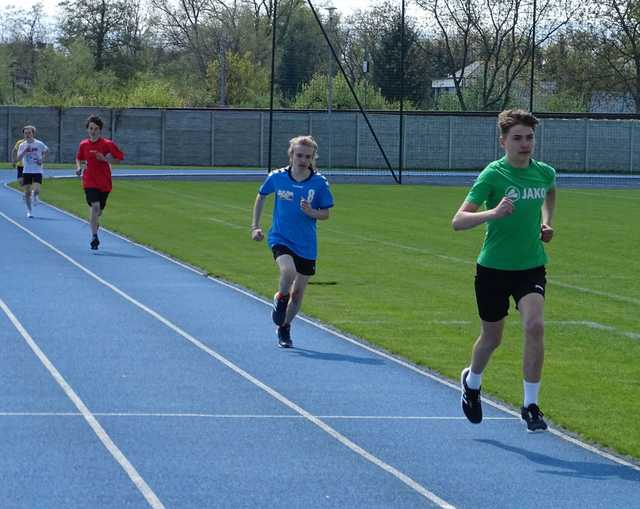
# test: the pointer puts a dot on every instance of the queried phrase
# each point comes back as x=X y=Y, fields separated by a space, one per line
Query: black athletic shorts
x=19 y=170
x=94 y=195
x=494 y=287
x=30 y=178
x=304 y=266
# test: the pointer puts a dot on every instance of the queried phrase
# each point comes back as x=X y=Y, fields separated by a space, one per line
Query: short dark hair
x=96 y=120
x=508 y=118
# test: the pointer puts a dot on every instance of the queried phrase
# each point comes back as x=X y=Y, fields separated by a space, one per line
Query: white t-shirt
x=32 y=155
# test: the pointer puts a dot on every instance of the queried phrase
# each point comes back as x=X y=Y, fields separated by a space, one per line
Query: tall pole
x=533 y=57
x=274 y=8
x=351 y=89
x=403 y=51
x=330 y=90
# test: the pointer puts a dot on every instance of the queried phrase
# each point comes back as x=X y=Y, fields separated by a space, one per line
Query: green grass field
x=397 y=276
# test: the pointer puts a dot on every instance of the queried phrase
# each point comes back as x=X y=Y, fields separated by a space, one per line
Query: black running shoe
x=279 y=309
x=532 y=415
x=95 y=242
x=284 y=336
x=471 y=405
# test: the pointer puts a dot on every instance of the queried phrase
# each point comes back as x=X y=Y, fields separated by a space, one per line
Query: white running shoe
x=29 y=215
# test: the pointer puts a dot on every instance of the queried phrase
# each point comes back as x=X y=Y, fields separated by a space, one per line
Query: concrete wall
x=239 y=138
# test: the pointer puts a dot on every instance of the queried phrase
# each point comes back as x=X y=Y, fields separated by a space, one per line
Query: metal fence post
x=9 y=146
x=357 y=141
x=163 y=129
x=541 y=140
x=450 y=143
x=213 y=140
x=586 y=144
x=631 y=129
x=261 y=155
x=60 y=129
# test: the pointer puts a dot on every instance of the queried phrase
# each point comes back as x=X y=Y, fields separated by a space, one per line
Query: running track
x=128 y=380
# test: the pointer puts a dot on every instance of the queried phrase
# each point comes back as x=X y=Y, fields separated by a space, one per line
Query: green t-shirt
x=513 y=242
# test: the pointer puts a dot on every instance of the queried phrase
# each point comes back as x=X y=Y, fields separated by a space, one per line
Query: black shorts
x=19 y=170
x=95 y=195
x=304 y=266
x=494 y=287
x=30 y=178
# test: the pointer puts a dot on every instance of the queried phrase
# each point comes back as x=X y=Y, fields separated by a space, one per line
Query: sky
x=50 y=6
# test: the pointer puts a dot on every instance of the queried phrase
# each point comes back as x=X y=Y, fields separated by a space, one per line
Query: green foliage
x=246 y=83
x=303 y=52
x=6 y=96
x=448 y=101
x=145 y=89
x=314 y=95
x=563 y=102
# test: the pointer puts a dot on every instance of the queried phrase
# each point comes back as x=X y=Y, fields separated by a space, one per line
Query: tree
x=499 y=35
x=246 y=84
x=111 y=29
x=571 y=62
x=314 y=94
x=617 y=26
x=375 y=36
x=25 y=34
x=302 y=52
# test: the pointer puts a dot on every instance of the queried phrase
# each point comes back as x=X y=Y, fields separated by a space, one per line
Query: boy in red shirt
x=95 y=153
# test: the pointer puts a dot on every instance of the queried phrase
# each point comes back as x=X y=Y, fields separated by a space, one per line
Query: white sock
x=474 y=380
x=531 y=391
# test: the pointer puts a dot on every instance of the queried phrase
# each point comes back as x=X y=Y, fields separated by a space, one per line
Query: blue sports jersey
x=290 y=225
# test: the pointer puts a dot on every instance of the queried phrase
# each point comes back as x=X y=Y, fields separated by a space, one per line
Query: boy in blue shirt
x=302 y=196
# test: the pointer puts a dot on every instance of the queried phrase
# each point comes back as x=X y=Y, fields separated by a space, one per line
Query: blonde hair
x=29 y=127
x=307 y=141
x=508 y=118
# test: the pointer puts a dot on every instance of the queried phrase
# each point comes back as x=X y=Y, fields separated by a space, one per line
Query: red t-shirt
x=97 y=174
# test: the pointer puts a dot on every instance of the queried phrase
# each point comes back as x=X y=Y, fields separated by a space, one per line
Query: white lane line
x=411 y=483
x=612 y=296
x=226 y=223
x=578 y=323
x=361 y=345
x=401 y=246
x=189 y=415
x=113 y=449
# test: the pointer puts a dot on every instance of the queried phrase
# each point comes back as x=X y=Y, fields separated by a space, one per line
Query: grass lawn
x=397 y=275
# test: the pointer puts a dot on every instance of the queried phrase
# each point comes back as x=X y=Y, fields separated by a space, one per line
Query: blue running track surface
x=129 y=380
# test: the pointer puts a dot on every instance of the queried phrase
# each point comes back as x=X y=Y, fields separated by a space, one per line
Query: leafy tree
x=314 y=95
x=246 y=84
x=499 y=35
x=148 y=90
x=616 y=24
x=111 y=29
x=302 y=52
x=571 y=63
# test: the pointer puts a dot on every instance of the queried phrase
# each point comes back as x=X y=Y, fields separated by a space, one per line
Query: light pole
x=533 y=58
x=330 y=89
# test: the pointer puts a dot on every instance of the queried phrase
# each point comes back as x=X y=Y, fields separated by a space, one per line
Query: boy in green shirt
x=520 y=195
